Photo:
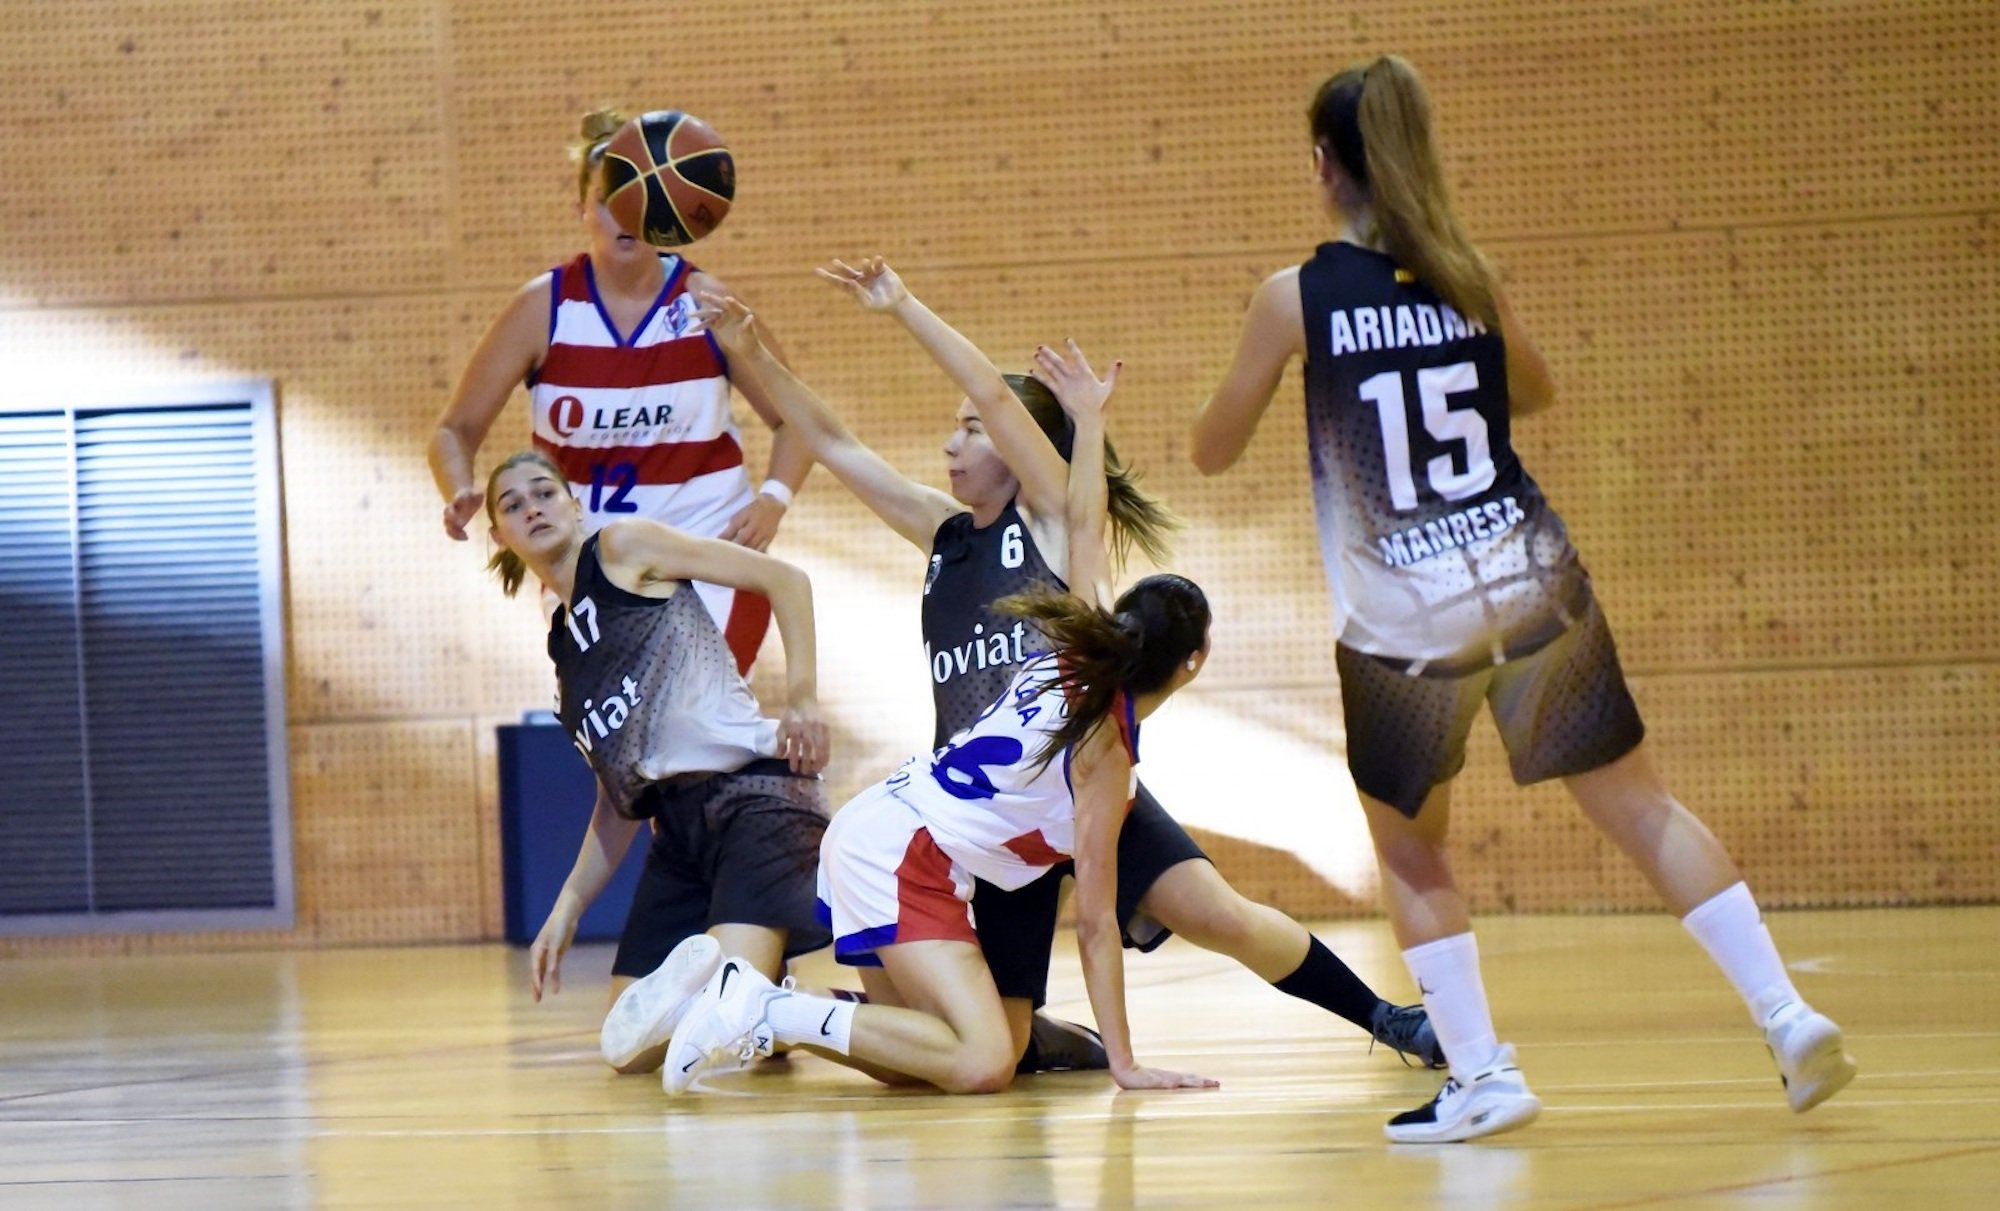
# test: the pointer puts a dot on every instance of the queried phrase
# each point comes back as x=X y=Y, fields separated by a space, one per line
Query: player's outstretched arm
x=1023 y=446
x=1101 y=772
x=604 y=846
x=911 y=509
x=1086 y=502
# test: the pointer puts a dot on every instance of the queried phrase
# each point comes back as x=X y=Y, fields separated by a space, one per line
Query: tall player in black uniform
x=651 y=696
x=1457 y=585
x=998 y=532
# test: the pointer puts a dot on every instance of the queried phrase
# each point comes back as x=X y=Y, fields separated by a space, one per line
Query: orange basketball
x=667 y=178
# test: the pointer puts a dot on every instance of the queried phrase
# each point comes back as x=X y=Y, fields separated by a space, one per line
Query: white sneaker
x=724 y=1027
x=1496 y=1099
x=645 y=1014
x=1808 y=1048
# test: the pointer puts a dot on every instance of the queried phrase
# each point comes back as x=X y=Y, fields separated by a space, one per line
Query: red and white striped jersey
x=640 y=423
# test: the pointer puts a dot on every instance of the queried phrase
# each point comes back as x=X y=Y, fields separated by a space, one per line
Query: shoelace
x=1396 y=1031
x=747 y=1047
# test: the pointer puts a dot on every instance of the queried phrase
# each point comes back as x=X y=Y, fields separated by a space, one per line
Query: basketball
x=668 y=179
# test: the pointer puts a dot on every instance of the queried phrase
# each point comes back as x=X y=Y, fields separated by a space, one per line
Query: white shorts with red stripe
x=884 y=881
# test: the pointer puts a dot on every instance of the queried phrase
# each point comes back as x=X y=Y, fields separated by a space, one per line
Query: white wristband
x=776 y=490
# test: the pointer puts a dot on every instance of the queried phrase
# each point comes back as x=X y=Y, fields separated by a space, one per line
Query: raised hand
x=729 y=321
x=1069 y=377
x=872 y=283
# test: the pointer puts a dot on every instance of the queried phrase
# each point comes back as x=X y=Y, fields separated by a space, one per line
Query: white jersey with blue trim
x=988 y=799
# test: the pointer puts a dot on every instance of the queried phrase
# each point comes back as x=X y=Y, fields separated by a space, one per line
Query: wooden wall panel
x=1145 y=132
x=1840 y=786
x=229 y=149
x=1757 y=243
x=382 y=827
x=1769 y=447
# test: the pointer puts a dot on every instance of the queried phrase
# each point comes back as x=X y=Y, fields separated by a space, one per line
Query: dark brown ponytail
x=1135 y=647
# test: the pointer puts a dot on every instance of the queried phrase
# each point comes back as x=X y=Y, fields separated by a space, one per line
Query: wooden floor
x=425 y=1078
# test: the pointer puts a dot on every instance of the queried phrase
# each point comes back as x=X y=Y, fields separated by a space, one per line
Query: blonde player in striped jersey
x=629 y=398
x=1457 y=586
x=1045 y=774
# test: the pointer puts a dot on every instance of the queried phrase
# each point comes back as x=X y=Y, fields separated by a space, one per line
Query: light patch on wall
x=1216 y=771
x=70 y=357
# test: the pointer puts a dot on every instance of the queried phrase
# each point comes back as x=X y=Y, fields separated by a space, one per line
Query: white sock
x=1731 y=930
x=1447 y=974
x=814 y=1021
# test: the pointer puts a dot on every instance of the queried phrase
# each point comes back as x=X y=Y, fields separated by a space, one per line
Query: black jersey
x=648 y=687
x=974 y=649
x=1438 y=545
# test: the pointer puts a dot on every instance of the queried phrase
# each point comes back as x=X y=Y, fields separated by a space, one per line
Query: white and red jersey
x=988 y=800
x=639 y=423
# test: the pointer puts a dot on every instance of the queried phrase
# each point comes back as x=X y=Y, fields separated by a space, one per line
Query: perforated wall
x=1758 y=244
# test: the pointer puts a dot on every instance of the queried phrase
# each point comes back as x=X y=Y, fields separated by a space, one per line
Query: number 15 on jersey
x=1435 y=387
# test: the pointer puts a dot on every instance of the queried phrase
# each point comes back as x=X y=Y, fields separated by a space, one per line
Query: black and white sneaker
x=1496 y=1099
x=1406 y=1029
x=1058 y=1046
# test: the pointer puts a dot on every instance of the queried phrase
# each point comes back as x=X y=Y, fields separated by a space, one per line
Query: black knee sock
x=1332 y=985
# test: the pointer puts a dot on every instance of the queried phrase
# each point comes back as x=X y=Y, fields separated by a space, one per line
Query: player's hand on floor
x=1160 y=1078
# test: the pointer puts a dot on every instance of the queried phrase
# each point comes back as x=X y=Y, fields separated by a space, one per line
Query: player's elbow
x=1208 y=457
x=455 y=434
x=789 y=582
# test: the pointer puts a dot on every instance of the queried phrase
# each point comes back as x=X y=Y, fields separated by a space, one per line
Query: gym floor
x=426 y=1078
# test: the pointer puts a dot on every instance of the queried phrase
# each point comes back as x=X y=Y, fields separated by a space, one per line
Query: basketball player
x=1043 y=775
x=651 y=695
x=998 y=533
x=628 y=398
x=1457 y=585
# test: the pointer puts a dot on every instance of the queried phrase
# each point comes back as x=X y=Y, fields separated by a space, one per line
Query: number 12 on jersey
x=1435 y=387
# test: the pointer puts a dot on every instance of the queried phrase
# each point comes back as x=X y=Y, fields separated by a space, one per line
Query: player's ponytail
x=1136 y=646
x=1375 y=122
x=1138 y=518
x=593 y=133
x=511 y=569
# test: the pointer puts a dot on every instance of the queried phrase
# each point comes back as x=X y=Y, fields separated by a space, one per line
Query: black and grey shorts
x=1562 y=709
x=740 y=848
x=1017 y=929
